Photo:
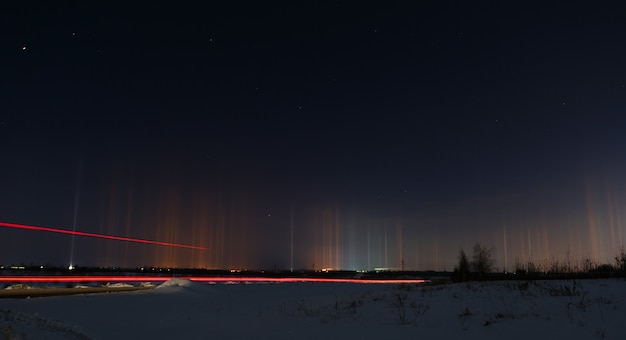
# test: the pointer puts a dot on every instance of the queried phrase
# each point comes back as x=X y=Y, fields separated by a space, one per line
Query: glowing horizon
x=238 y=233
x=76 y=278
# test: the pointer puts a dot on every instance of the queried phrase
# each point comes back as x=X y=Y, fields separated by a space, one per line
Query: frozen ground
x=582 y=309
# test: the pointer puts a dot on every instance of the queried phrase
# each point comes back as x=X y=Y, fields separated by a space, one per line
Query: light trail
x=109 y=237
x=218 y=279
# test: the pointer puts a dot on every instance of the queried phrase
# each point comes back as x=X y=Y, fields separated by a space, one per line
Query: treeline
x=481 y=267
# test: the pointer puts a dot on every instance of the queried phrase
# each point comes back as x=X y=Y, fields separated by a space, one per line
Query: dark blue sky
x=383 y=131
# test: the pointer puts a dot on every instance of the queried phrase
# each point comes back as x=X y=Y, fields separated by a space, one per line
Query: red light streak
x=195 y=279
x=109 y=237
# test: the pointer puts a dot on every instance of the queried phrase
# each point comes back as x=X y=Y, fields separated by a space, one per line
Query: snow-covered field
x=582 y=309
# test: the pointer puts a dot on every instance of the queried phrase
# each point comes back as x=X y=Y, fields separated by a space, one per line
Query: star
x=24 y=48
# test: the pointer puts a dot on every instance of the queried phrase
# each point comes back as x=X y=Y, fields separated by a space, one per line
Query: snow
x=19 y=286
x=117 y=285
x=581 y=309
x=175 y=282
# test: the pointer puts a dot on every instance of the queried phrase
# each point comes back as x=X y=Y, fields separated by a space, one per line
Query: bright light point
x=71 y=267
x=23 y=48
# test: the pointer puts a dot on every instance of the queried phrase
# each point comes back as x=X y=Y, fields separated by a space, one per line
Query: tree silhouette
x=620 y=261
x=482 y=261
x=463 y=268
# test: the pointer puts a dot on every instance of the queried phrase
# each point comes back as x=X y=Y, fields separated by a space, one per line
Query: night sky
x=312 y=134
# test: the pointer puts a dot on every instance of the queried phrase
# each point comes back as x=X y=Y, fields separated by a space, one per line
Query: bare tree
x=620 y=261
x=482 y=261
